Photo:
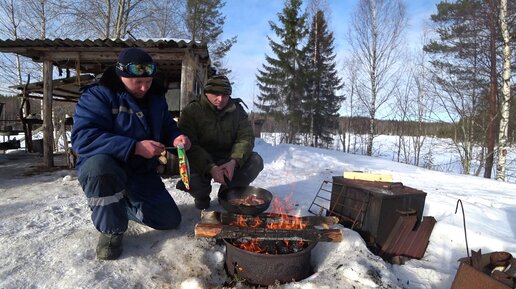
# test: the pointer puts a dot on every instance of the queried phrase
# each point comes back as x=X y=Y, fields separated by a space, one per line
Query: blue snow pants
x=116 y=195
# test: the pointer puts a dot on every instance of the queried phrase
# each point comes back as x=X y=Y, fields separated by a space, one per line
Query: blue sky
x=249 y=20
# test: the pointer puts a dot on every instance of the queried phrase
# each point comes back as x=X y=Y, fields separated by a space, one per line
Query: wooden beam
x=224 y=218
x=235 y=232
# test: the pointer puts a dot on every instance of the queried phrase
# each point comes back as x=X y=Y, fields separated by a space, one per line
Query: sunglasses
x=137 y=69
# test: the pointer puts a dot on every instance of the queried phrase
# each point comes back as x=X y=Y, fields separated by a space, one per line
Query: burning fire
x=280 y=211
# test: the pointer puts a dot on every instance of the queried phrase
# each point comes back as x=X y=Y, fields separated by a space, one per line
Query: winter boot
x=109 y=246
x=181 y=186
x=202 y=203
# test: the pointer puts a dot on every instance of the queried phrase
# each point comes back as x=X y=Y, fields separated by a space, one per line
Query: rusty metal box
x=372 y=208
x=468 y=277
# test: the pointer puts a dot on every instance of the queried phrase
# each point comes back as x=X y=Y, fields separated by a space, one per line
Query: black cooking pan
x=231 y=200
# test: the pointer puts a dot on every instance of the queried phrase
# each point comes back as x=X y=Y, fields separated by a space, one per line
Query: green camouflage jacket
x=216 y=136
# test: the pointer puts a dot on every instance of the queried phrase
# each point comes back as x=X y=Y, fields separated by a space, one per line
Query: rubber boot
x=109 y=246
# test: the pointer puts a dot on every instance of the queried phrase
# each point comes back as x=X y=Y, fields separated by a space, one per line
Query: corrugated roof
x=161 y=43
x=95 y=55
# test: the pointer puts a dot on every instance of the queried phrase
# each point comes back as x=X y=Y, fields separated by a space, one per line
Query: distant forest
x=352 y=125
x=360 y=126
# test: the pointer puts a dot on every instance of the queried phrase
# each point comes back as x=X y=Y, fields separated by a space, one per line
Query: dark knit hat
x=218 y=84
x=135 y=56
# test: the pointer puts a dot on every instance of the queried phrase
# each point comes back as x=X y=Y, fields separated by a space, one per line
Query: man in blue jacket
x=121 y=127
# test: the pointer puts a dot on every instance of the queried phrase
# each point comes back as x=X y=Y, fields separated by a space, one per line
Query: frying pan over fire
x=245 y=200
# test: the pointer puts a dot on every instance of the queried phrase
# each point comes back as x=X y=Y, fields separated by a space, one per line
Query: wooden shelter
x=182 y=67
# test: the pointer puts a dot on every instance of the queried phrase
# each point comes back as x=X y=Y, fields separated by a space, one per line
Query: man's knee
x=253 y=166
x=100 y=165
x=256 y=162
x=101 y=175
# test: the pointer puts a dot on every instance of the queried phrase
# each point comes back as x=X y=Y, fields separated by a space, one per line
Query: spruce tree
x=321 y=103
x=205 y=23
x=281 y=79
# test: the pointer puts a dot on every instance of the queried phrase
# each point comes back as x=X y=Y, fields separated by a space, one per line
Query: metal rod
x=464 y=222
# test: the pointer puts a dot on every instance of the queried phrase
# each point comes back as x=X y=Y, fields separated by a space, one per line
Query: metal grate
x=341 y=201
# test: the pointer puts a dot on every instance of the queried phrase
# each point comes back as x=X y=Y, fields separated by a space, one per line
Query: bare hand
x=217 y=173
x=229 y=169
x=182 y=139
x=148 y=148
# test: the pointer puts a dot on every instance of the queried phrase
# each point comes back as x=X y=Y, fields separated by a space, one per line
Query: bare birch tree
x=350 y=86
x=424 y=104
x=108 y=18
x=414 y=104
x=9 y=23
x=167 y=19
x=506 y=93
x=375 y=39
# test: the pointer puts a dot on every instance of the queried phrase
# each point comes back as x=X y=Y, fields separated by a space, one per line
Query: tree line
x=360 y=125
x=461 y=75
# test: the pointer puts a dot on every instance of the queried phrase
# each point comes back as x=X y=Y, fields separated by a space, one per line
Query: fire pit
x=268 y=248
x=266 y=269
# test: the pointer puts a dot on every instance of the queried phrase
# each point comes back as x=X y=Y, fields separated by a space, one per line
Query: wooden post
x=63 y=134
x=188 y=78
x=48 y=127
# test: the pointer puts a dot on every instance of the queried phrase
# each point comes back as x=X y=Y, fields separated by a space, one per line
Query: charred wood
x=263 y=220
x=235 y=232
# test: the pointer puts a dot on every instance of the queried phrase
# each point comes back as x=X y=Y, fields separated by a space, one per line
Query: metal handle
x=464 y=223
x=396 y=184
x=408 y=212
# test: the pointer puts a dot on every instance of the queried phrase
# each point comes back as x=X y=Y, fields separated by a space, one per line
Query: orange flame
x=280 y=210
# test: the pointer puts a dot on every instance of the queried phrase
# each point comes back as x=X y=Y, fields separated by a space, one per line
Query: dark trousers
x=200 y=186
x=116 y=195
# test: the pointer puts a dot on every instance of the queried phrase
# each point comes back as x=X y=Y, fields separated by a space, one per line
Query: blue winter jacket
x=109 y=121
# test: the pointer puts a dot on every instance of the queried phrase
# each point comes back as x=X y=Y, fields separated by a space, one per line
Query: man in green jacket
x=222 y=142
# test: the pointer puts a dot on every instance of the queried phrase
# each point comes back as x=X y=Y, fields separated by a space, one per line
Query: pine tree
x=281 y=79
x=465 y=63
x=205 y=23
x=321 y=103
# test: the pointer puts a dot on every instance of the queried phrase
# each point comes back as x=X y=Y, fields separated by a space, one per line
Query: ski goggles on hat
x=137 y=69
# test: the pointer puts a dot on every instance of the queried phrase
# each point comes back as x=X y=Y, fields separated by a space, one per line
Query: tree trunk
x=506 y=92
x=493 y=90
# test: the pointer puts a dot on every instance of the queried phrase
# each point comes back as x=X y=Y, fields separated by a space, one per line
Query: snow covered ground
x=47 y=239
